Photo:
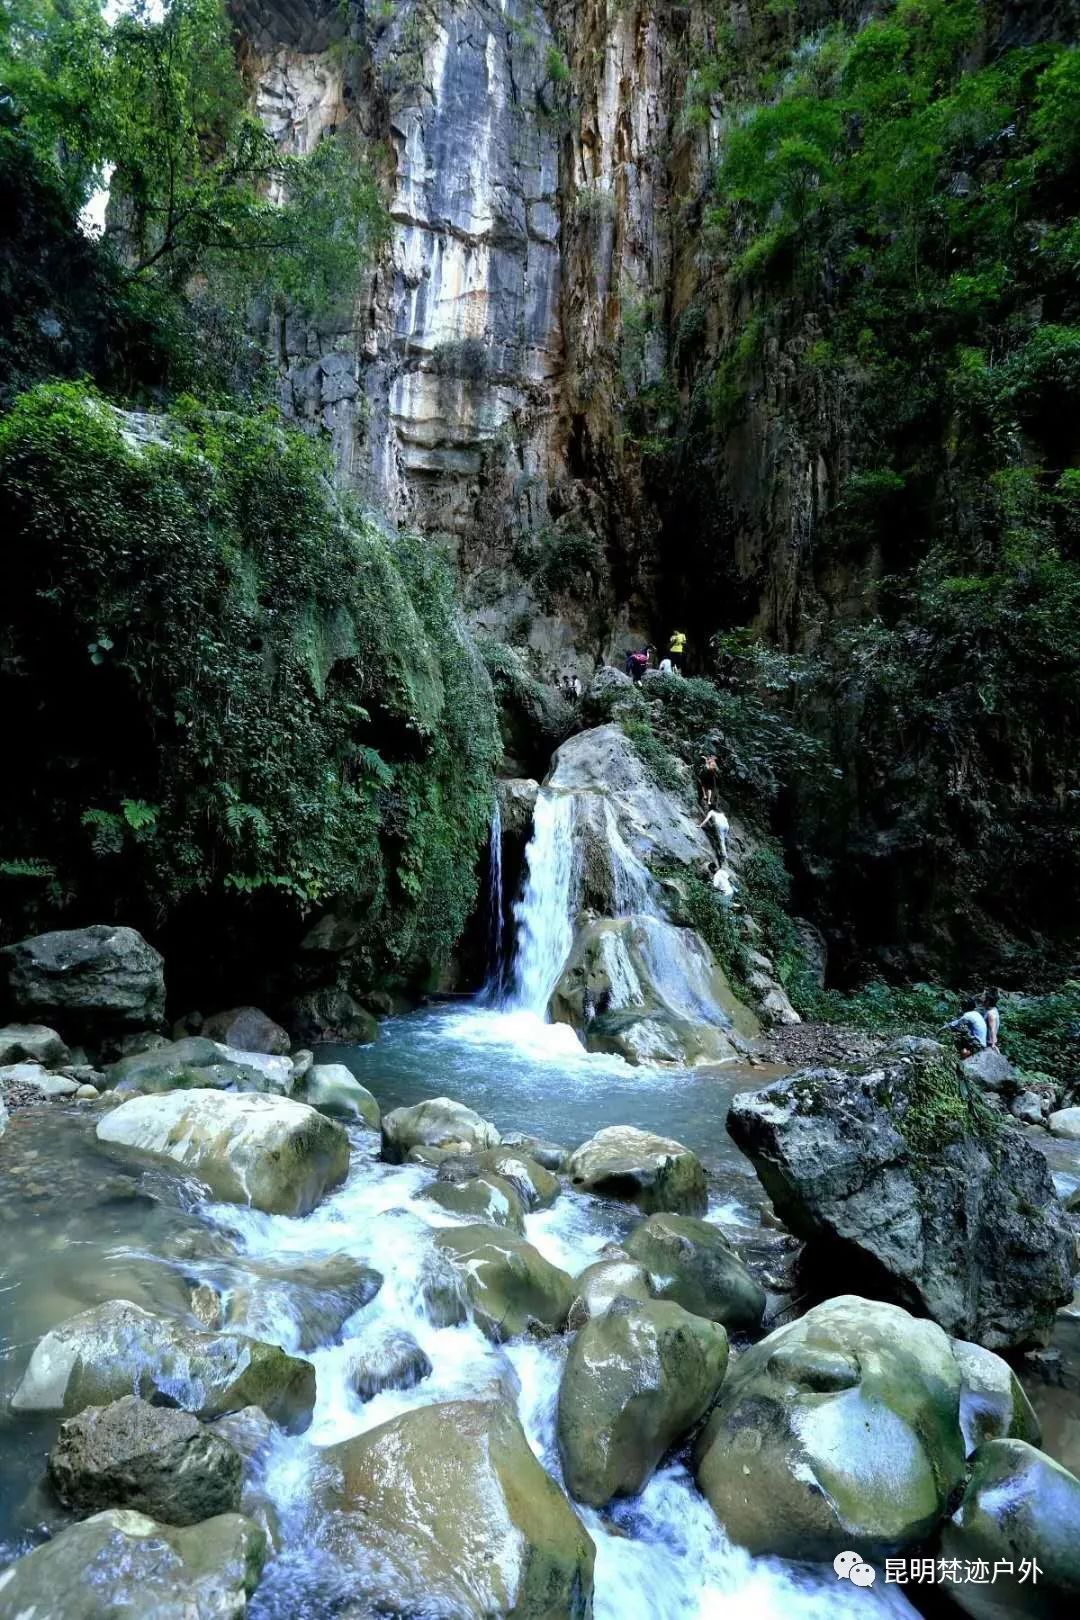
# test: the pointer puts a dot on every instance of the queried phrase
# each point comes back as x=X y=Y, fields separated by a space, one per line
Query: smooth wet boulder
x=33 y=1076
x=118 y=1349
x=304 y=1302
x=437 y=1123
x=993 y=1405
x=636 y=1379
x=121 y=1565
x=445 y=1510
x=598 y=1287
x=533 y=1182
x=691 y=1262
x=196 y=1063
x=511 y=1287
x=485 y=1198
x=840 y=1430
x=32 y=1043
x=90 y=981
x=392 y=1361
x=653 y=1172
x=333 y=1089
x=277 y=1155
x=1019 y=1506
x=157 y=1460
x=248 y=1029
x=1065 y=1122
x=902 y=1174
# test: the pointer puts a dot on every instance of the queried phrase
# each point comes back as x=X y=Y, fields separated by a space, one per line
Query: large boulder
x=993 y=1404
x=198 y=1064
x=1065 y=1122
x=270 y=1152
x=32 y=1043
x=247 y=1029
x=333 y=1089
x=511 y=1287
x=598 y=1287
x=841 y=1429
x=331 y=1014
x=991 y=1070
x=121 y=1565
x=691 y=1262
x=393 y=1360
x=118 y=1349
x=636 y=1379
x=313 y=1298
x=437 y=1123
x=485 y=1198
x=534 y=1183
x=902 y=1176
x=652 y=1172
x=1020 y=1509
x=445 y=1510
x=155 y=1459
x=91 y=981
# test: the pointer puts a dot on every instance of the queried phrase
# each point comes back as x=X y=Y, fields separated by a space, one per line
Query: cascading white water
x=495 y=908
x=545 y=912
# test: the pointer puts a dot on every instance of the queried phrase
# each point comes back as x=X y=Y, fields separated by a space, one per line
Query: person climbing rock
x=677 y=649
x=708 y=781
x=970 y=1027
x=637 y=663
x=717 y=825
x=723 y=882
x=992 y=1016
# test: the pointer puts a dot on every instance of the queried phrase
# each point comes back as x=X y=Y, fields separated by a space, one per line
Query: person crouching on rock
x=970 y=1028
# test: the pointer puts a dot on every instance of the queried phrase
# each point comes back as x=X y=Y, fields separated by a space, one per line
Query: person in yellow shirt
x=677 y=648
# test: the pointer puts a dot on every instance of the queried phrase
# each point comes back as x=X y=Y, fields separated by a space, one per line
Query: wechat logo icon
x=849 y=1566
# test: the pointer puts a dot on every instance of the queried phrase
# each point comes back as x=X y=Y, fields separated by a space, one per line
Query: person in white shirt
x=992 y=1016
x=970 y=1026
x=718 y=824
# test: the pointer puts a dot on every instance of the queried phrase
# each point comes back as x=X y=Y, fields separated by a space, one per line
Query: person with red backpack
x=637 y=663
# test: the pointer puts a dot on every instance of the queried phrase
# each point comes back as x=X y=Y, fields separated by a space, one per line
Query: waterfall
x=493 y=982
x=545 y=912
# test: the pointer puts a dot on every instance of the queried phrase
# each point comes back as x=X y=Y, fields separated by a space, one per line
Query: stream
x=78 y=1229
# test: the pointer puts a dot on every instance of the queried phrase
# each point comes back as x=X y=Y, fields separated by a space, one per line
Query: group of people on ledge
x=640 y=659
x=978 y=1025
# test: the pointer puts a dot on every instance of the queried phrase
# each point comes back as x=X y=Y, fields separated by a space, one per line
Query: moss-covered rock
x=639 y=1168
x=598 y=1287
x=333 y=1089
x=1019 y=1505
x=197 y=1063
x=121 y=1565
x=118 y=1349
x=277 y=1155
x=636 y=1379
x=445 y=1509
x=484 y=1199
x=511 y=1287
x=841 y=1429
x=439 y=1122
x=691 y=1262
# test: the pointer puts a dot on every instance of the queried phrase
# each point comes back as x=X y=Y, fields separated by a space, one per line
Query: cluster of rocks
x=884 y=1423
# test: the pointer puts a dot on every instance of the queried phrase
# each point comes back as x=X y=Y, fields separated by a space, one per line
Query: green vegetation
x=211 y=673
x=942 y=1108
x=895 y=217
x=154 y=99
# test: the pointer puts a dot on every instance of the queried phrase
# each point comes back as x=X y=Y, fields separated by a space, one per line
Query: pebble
x=87 y=1093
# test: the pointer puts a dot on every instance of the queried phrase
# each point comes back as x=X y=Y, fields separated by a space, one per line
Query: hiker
x=992 y=1016
x=723 y=882
x=708 y=779
x=666 y=666
x=637 y=663
x=718 y=826
x=677 y=649
x=970 y=1027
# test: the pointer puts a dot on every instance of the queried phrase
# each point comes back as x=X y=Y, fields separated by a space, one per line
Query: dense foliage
x=895 y=212
x=151 y=102
x=216 y=685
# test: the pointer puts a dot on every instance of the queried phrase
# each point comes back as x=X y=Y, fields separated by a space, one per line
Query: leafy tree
x=203 y=194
